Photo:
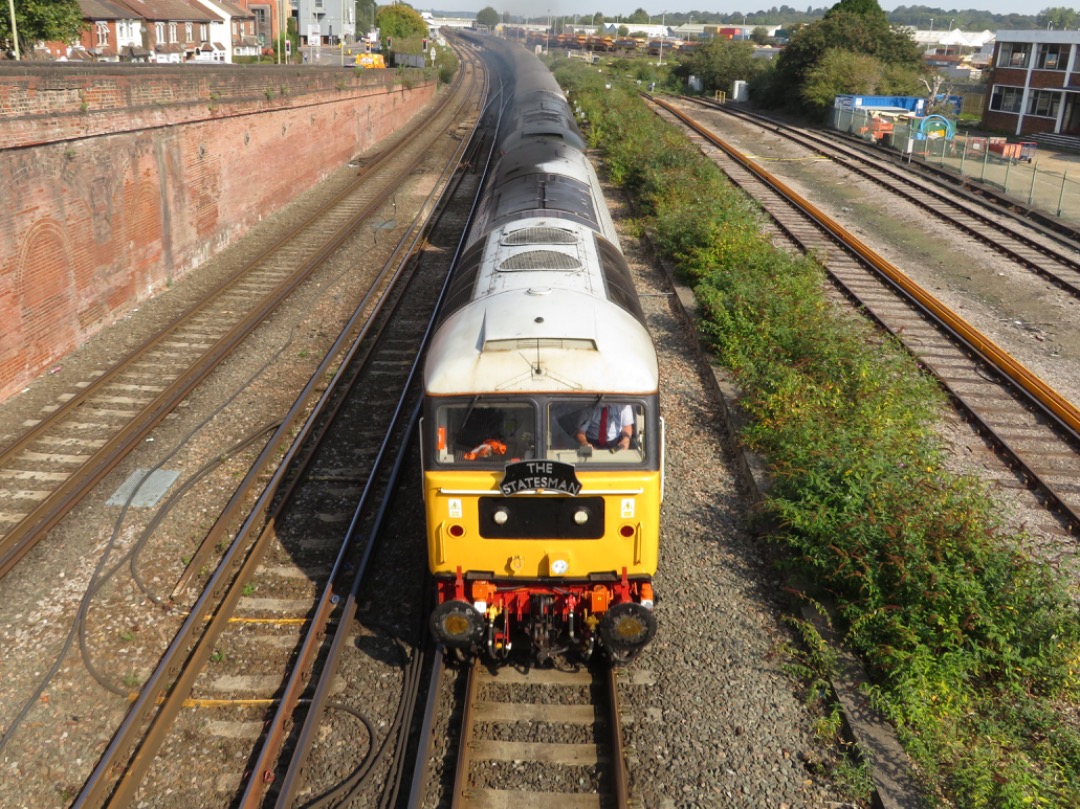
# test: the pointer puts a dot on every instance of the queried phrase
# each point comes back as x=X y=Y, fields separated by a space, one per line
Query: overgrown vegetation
x=973 y=648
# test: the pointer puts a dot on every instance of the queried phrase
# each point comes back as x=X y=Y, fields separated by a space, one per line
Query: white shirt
x=618 y=417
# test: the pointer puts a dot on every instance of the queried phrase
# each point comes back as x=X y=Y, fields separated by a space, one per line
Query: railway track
x=1053 y=254
x=45 y=471
x=1029 y=423
x=536 y=738
x=267 y=580
x=286 y=583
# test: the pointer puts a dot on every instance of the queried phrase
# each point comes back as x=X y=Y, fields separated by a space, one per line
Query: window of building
x=1006 y=99
x=1014 y=54
x=172 y=33
x=189 y=30
x=204 y=32
x=127 y=29
x=1053 y=57
x=1044 y=103
x=159 y=32
x=102 y=34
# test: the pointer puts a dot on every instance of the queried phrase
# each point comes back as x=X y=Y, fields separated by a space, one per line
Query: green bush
x=973 y=648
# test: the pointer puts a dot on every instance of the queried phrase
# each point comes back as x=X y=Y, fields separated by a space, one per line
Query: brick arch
x=45 y=295
x=143 y=232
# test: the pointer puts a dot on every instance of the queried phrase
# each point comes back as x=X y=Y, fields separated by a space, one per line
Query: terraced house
x=170 y=31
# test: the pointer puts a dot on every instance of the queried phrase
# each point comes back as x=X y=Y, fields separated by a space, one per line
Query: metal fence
x=1012 y=168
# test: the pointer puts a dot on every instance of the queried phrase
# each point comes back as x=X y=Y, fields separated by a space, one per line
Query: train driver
x=611 y=426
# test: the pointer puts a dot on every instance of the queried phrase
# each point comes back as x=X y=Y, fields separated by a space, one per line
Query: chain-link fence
x=1012 y=168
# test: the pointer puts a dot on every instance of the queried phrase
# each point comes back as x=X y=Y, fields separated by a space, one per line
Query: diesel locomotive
x=541 y=435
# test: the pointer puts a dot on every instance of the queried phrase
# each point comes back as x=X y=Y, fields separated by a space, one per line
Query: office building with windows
x=1034 y=84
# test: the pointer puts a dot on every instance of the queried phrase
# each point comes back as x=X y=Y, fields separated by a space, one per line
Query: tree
x=399 y=22
x=1058 y=19
x=839 y=72
x=866 y=32
x=598 y=18
x=487 y=16
x=864 y=8
x=365 y=15
x=760 y=35
x=42 y=21
x=718 y=63
x=638 y=17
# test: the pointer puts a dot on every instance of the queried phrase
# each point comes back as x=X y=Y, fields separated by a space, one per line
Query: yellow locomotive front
x=543 y=519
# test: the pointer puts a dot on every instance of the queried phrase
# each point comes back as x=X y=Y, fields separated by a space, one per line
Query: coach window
x=478 y=432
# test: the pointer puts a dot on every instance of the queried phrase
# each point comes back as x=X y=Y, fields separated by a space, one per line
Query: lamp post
x=14 y=29
x=931 y=35
x=663 y=30
x=547 y=35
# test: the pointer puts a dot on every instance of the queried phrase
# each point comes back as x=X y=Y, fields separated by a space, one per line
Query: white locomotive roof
x=541 y=339
x=540 y=321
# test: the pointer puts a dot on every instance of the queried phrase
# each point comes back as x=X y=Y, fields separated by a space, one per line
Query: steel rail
x=1056 y=405
x=162 y=697
x=17 y=542
x=426 y=734
x=975 y=191
x=976 y=208
x=275 y=737
x=618 y=760
x=604 y=706
x=291 y=781
x=458 y=796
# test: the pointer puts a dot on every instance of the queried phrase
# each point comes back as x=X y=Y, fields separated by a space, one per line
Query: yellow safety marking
x=225 y=703
x=235 y=620
x=783 y=159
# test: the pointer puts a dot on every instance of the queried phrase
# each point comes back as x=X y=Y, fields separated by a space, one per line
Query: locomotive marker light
x=558 y=564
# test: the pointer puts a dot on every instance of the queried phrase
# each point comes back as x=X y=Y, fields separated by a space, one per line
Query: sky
x=614 y=7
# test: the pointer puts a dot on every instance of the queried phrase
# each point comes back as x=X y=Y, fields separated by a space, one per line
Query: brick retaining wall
x=116 y=180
